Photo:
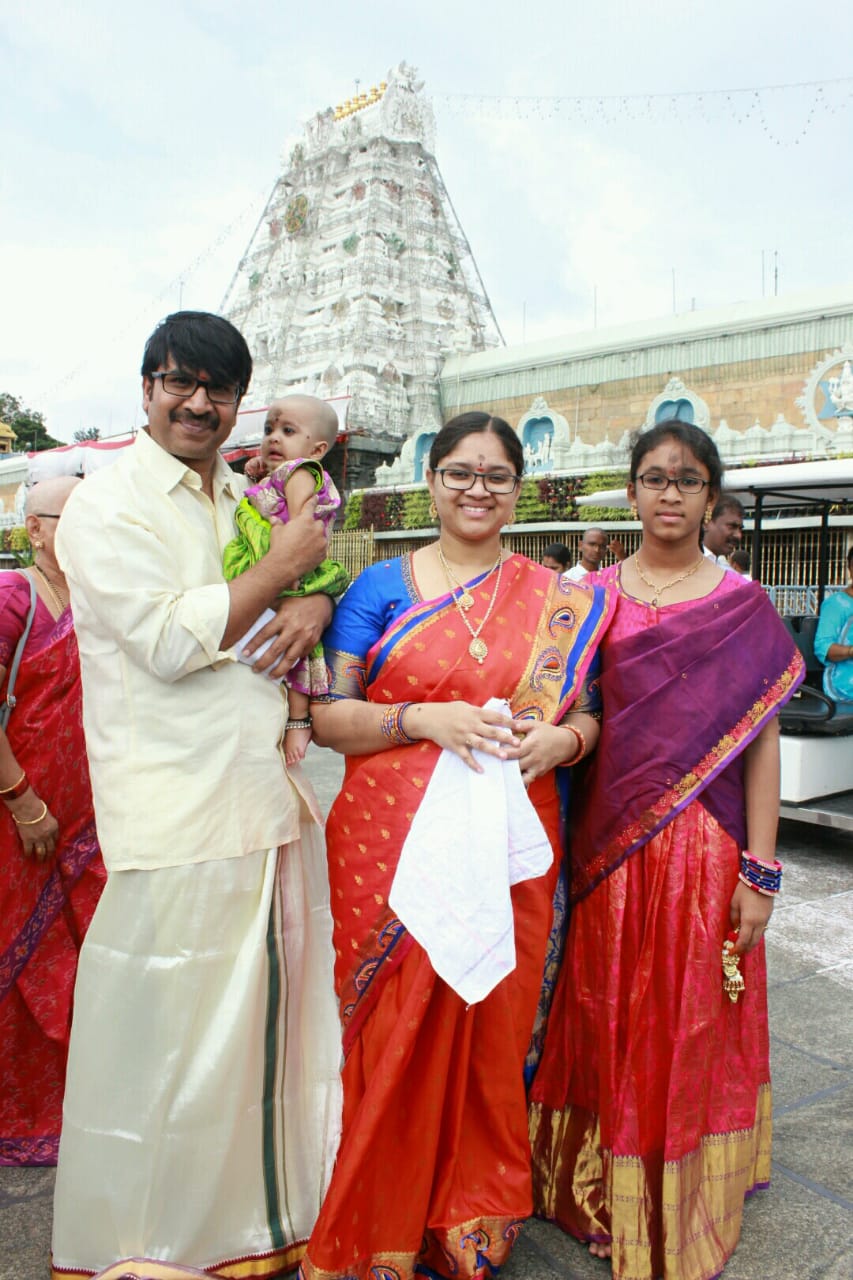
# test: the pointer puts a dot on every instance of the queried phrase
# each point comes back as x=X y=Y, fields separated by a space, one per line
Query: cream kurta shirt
x=183 y=740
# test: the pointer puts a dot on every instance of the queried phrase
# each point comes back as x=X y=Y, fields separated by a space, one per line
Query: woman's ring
x=469 y=741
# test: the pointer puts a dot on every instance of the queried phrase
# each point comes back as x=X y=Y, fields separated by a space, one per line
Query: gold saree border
x=679 y=1219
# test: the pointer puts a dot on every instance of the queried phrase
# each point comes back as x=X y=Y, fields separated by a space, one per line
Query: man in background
x=593 y=547
x=724 y=531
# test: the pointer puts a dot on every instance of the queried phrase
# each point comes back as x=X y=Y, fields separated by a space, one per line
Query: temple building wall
x=768 y=381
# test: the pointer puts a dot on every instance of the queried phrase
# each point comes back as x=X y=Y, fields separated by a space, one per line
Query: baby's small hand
x=255 y=468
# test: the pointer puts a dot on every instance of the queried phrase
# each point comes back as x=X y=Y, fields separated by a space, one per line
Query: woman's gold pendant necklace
x=465 y=600
x=658 y=591
x=477 y=647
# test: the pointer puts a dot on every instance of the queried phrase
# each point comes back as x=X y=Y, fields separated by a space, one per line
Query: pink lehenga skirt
x=650 y=1113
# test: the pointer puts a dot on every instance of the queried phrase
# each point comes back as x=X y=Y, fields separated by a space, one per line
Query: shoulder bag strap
x=8 y=703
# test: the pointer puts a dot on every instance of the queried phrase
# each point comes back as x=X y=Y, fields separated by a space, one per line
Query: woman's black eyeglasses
x=684 y=484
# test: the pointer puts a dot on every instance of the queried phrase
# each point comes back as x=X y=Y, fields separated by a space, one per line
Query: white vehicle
x=817 y=737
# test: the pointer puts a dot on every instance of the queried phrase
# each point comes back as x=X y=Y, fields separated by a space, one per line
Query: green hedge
x=542 y=500
x=16 y=542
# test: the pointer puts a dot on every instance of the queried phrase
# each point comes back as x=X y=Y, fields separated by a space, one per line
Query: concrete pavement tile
x=324 y=770
x=548 y=1251
x=813 y=1142
x=26 y=1204
x=814 y=1015
x=784 y=964
x=790 y=1233
x=798 y=1076
x=818 y=933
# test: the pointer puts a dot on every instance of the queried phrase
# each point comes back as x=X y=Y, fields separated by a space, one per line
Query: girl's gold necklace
x=659 y=590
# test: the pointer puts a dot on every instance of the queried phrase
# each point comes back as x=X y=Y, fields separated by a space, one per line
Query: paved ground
x=802 y=1228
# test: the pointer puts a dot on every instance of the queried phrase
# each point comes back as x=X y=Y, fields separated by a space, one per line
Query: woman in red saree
x=52 y=873
x=650 y=1112
x=433 y=1171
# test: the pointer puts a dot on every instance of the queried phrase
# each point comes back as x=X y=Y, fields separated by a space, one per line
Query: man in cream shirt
x=188 y=1135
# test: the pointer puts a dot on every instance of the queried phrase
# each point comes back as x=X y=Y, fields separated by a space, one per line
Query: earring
x=38 y=546
x=433 y=510
x=635 y=515
x=709 y=511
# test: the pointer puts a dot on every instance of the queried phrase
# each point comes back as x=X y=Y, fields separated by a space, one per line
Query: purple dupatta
x=682 y=701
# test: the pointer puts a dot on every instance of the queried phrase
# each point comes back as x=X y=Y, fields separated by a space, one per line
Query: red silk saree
x=45 y=908
x=433 y=1171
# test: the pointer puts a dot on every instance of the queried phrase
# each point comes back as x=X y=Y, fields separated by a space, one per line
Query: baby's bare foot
x=295 y=745
x=600 y=1249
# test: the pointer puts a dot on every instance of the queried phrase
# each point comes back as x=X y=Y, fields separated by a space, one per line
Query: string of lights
x=761 y=104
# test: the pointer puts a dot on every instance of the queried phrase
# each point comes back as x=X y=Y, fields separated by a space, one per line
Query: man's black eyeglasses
x=185 y=385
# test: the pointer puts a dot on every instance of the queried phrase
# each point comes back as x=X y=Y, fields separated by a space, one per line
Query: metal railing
x=790 y=556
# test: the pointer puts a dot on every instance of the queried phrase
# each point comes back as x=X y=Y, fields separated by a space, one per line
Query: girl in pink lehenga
x=650 y=1113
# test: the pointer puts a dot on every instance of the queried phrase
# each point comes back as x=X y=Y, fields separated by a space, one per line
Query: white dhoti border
x=202 y=1106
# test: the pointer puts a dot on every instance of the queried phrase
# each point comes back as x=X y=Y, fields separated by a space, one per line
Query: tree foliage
x=27 y=424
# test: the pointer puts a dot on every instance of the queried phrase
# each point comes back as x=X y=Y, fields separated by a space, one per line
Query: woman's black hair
x=557 y=551
x=465 y=424
x=692 y=437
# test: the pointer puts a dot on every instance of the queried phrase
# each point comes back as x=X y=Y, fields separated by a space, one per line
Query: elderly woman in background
x=52 y=873
x=833 y=642
x=433 y=1172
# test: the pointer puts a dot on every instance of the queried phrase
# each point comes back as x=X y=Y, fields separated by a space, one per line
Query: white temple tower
x=358 y=279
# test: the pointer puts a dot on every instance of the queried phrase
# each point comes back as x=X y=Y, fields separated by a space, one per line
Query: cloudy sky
x=140 y=142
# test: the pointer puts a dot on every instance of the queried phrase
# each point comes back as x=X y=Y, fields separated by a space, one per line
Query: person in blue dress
x=833 y=641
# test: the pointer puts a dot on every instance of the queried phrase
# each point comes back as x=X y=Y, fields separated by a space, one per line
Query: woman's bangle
x=31 y=822
x=760 y=875
x=17 y=789
x=581 y=741
x=304 y=723
x=391 y=724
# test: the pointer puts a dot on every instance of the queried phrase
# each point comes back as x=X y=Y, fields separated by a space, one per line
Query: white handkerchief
x=473 y=836
x=251 y=658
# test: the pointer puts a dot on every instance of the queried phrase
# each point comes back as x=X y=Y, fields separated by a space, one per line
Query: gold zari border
x=686 y=1230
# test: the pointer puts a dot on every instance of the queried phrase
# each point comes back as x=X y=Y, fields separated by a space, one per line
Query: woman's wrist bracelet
x=17 y=789
x=391 y=724
x=759 y=874
x=581 y=741
x=31 y=822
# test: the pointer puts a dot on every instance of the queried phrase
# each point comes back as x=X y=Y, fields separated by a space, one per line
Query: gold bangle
x=31 y=822
x=5 y=791
x=581 y=740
